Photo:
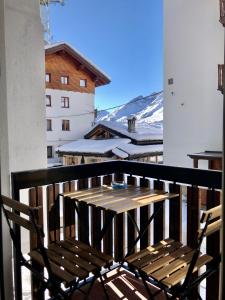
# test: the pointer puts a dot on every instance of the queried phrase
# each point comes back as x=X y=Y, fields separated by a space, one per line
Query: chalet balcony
x=178 y=219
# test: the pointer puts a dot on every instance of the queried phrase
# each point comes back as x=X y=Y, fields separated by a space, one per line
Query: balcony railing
x=43 y=187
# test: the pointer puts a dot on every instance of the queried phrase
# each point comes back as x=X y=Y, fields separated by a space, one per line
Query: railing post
x=213 y=249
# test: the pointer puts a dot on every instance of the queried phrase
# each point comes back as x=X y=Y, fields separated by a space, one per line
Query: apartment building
x=193 y=47
x=71 y=80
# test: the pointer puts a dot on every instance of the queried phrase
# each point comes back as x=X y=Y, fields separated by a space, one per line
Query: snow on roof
x=131 y=149
x=120 y=153
x=59 y=44
x=141 y=134
x=92 y=146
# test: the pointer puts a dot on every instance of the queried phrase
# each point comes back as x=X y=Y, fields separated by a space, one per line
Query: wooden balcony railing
x=220 y=77
x=222 y=12
x=43 y=186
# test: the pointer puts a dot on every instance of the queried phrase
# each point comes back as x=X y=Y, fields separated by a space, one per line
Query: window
x=48 y=101
x=65 y=125
x=65 y=79
x=47 y=77
x=49 y=152
x=49 y=124
x=65 y=102
x=83 y=82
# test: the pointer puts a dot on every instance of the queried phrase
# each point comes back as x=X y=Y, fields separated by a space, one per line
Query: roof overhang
x=99 y=77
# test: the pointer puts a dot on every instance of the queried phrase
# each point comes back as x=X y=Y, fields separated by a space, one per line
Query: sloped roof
x=84 y=146
x=145 y=135
x=101 y=77
x=138 y=150
x=120 y=147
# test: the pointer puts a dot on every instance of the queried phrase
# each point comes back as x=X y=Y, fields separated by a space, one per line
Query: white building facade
x=193 y=47
x=70 y=96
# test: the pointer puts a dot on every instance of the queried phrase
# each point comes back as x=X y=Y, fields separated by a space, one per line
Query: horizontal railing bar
x=198 y=177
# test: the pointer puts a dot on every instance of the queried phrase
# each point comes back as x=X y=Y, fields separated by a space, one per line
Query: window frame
x=49 y=128
x=49 y=97
x=49 y=77
x=85 y=83
x=65 y=125
x=50 y=148
x=64 y=79
x=65 y=102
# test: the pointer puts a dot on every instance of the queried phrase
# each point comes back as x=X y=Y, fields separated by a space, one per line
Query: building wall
x=61 y=64
x=22 y=113
x=193 y=46
x=80 y=114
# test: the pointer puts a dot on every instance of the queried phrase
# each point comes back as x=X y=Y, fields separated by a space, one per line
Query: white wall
x=79 y=103
x=22 y=113
x=193 y=46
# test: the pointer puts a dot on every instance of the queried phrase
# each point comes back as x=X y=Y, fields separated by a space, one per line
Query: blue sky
x=122 y=37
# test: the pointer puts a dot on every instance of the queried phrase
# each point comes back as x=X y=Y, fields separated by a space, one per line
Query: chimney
x=131 y=120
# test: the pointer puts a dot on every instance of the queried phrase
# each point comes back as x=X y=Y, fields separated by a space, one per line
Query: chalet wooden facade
x=112 y=140
x=71 y=80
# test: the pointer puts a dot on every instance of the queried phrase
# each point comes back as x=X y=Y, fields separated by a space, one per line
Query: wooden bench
x=67 y=261
x=170 y=264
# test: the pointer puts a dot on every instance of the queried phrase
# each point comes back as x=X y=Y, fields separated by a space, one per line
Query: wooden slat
x=193 y=217
x=53 y=213
x=72 y=258
x=69 y=211
x=83 y=221
x=95 y=182
x=193 y=211
x=165 y=260
x=153 y=256
x=96 y=227
x=119 y=242
x=149 y=249
x=177 y=264
x=213 y=247
x=107 y=179
x=212 y=228
x=179 y=275
x=131 y=231
x=18 y=206
x=175 y=213
x=101 y=255
x=85 y=254
x=58 y=272
x=215 y=212
x=108 y=238
x=144 y=217
x=20 y=221
x=73 y=269
x=36 y=199
x=159 y=220
x=118 y=177
x=120 y=206
x=104 y=196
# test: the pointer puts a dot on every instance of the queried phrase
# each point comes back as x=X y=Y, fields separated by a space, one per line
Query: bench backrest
x=13 y=210
x=214 y=215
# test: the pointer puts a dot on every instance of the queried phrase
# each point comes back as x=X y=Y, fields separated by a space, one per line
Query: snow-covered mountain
x=148 y=110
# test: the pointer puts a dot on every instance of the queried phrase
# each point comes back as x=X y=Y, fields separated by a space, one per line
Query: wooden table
x=118 y=201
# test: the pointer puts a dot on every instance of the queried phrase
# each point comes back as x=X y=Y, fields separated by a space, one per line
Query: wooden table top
x=119 y=200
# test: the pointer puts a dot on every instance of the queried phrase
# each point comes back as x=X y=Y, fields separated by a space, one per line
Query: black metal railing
x=46 y=184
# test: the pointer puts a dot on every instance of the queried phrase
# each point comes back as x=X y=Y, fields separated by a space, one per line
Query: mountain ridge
x=147 y=110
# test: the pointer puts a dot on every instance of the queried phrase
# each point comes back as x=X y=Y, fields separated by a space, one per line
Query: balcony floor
x=122 y=285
